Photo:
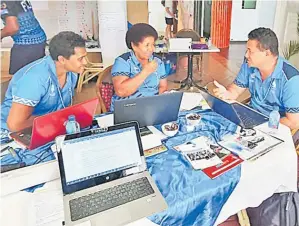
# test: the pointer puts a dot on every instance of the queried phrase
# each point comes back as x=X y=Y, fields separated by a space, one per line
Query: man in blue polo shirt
x=29 y=38
x=271 y=80
x=45 y=85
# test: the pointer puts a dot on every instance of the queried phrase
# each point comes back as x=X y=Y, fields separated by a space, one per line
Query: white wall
x=112 y=29
x=157 y=15
x=285 y=25
x=245 y=20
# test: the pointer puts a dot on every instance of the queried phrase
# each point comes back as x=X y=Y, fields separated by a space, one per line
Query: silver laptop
x=104 y=177
x=148 y=111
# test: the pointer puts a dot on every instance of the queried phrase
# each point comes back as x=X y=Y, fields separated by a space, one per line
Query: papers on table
x=204 y=154
x=192 y=100
x=29 y=176
x=198 y=153
x=148 y=141
x=106 y=120
x=249 y=144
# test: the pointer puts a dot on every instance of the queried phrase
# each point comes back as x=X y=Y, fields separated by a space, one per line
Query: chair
x=91 y=70
x=104 y=89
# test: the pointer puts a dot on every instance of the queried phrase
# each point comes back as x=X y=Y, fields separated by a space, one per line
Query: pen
x=4 y=149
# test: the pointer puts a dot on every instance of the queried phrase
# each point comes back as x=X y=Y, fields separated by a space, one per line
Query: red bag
x=107 y=93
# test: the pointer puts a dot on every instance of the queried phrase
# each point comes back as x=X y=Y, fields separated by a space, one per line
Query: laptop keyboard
x=25 y=135
x=109 y=198
x=249 y=117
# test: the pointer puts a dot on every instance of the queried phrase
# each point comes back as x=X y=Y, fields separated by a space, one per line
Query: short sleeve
x=28 y=90
x=168 y=4
x=290 y=95
x=8 y=8
x=242 y=79
x=161 y=70
x=120 y=68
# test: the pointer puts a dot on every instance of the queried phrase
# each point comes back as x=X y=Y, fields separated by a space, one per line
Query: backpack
x=163 y=2
x=281 y=209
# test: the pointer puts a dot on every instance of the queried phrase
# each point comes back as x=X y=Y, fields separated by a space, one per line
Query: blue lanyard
x=54 y=78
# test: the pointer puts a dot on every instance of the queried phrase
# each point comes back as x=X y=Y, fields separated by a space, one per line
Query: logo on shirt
x=273 y=85
x=26 y=5
x=52 y=90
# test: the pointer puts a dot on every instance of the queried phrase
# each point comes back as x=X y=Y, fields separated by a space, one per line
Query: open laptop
x=148 y=111
x=47 y=127
x=235 y=112
x=104 y=177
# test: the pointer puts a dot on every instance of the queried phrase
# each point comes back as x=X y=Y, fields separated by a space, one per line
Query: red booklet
x=228 y=162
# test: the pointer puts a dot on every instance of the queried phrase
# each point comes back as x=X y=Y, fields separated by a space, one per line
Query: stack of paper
x=204 y=154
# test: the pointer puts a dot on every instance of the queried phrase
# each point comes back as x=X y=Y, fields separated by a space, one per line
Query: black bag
x=281 y=209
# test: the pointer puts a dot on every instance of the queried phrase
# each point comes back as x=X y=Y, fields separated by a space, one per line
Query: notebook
x=104 y=177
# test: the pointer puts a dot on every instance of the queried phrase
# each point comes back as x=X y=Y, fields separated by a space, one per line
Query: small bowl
x=170 y=129
x=193 y=119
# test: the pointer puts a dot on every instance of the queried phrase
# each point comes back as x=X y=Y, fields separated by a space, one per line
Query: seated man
x=138 y=72
x=45 y=85
x=271 y=80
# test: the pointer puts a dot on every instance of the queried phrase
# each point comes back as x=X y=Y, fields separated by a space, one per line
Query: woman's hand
x=150 y=67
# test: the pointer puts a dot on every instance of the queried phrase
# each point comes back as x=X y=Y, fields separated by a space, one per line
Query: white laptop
x=104 y=177
x=179 y=44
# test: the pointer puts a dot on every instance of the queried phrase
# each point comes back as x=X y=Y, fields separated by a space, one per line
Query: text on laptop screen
x=99 y=154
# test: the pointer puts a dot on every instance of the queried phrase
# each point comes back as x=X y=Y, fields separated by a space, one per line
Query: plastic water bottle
x=167 y=67
x=274 y=118
x=209 y=42
x=72 y=126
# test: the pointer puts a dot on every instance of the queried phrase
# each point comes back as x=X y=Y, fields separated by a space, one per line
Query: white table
x=274 y=172
x=189 y=82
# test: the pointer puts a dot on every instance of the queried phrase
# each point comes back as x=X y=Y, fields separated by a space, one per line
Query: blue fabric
x=30 y=157
x=128 y=65
x=278 y=92
x=36 y=85
x=30 y=31
x=192 y=197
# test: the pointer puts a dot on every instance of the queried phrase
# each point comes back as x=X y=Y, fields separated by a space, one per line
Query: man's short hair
x=138 y=32
x=64 y=44
x=267 y=39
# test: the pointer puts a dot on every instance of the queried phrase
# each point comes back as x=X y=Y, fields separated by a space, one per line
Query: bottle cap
x=72 y=118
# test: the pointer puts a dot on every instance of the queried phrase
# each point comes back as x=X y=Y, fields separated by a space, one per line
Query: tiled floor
x=222 y=67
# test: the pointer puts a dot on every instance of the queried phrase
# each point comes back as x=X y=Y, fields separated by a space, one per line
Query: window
x=248 y=4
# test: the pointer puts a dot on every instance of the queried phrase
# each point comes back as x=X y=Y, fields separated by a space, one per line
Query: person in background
x=29 y=38
x=273 y=83
x=169 y=17
x=45 y=85
x=138 y=73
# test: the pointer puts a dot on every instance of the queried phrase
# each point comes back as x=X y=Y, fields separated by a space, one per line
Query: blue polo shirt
x=36 y=85
x=280 y=91
x=128 y=65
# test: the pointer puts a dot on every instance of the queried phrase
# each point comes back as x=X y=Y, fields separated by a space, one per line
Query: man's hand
x=220 y=92
x=150 y=67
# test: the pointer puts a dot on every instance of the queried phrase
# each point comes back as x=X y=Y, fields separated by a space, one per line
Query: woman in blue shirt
x=45 y=85
x=138 y=73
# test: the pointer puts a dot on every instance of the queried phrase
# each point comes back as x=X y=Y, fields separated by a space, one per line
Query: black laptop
x=237 y=113
x=148 y=111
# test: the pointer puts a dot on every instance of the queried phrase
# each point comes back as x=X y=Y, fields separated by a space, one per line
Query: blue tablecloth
x=192 y=197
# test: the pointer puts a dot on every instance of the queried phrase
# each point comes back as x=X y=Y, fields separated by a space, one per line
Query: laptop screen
x=99 y=158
